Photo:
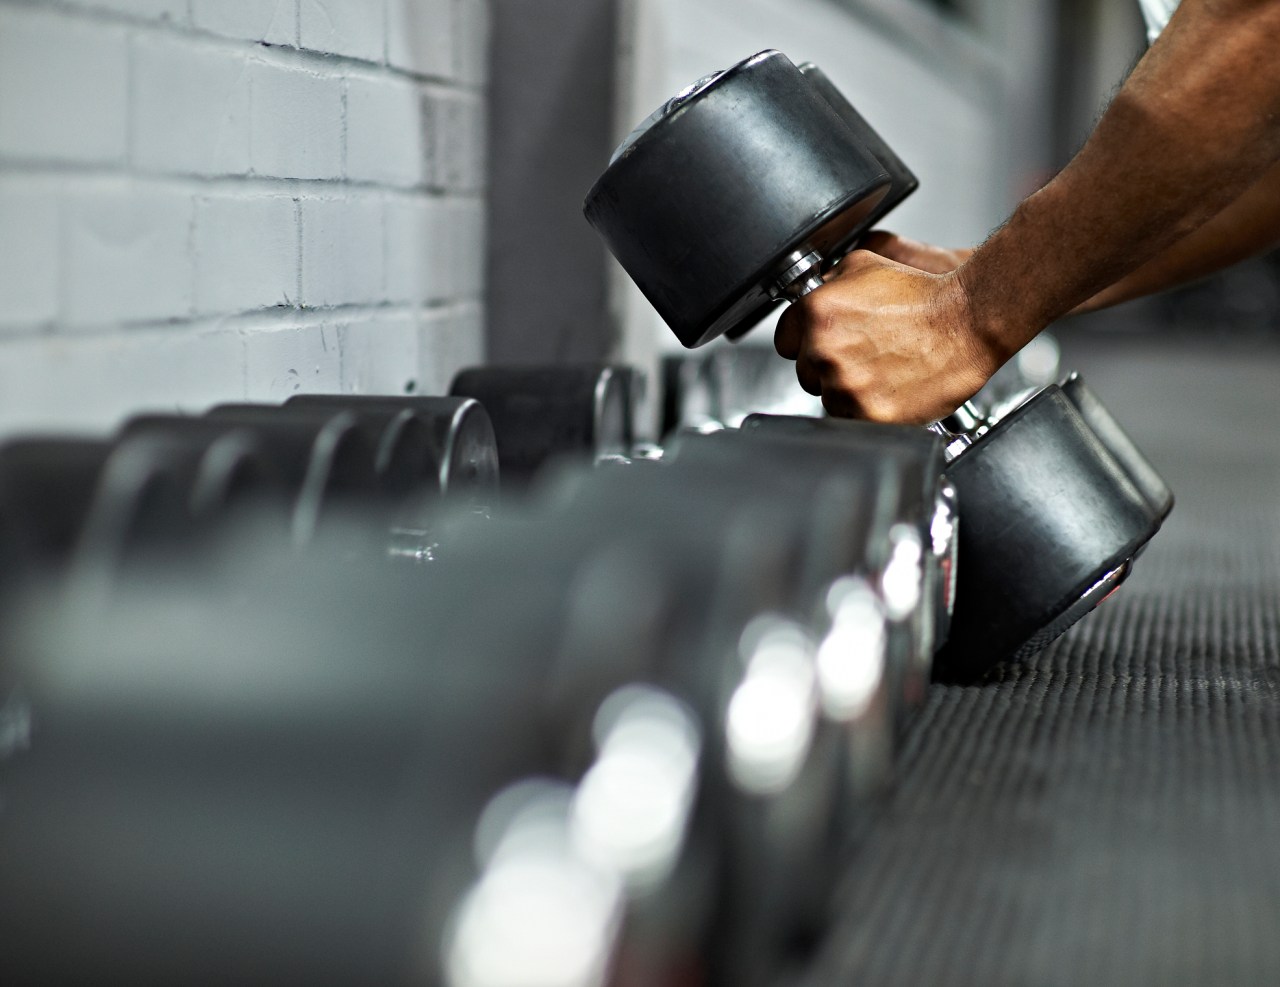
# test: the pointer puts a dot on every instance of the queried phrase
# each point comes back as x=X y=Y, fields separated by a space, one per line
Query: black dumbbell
x=1097 y=506
x=46 y=492
x=444 y=445
x=279 y=746
x=1136 y=466
x=325 y=459
x=544 y=412
x=164 y=495
x=1050 y=525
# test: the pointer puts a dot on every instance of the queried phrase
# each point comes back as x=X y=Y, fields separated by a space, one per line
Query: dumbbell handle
x=803 y=274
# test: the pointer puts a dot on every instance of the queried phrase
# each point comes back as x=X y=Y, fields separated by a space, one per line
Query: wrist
x=1011 y=284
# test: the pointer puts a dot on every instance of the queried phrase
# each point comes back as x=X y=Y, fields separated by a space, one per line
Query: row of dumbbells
x=628 y=722
x=621 y=729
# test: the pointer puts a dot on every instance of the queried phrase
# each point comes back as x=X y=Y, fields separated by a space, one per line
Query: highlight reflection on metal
x=901 y=582
x=851 y=657
x=801 y=274
x=1091 y=597
x=771 y=715
x=631 y=808
x=15 y=726
x=944 y=532
x=559 y=862
x=540 y=915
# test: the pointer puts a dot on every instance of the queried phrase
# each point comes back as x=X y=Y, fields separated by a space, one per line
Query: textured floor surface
x=1109 y=812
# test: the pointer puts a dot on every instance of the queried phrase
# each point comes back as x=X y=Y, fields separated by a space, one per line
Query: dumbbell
x=1137 y=467
x=46 y=492
x=326 y=461
x=1038 y=551
x=307 y=784
x=819 y=522
x=443 y=445
x=926 y=500
x=159 y=496
x=385 y=725
x=714 y=250
x=540 y=413
x=721 y=387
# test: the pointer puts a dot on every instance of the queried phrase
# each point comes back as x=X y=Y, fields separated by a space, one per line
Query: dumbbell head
x=543 y=412
x=161 y=494
x=737 y=190
x=442 y=442
x=1150 y=484
x=325 y=460
x=46 y=492
x=902 y=180
x=1050 y=522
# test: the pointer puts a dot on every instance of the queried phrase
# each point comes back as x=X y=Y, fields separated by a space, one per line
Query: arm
x=1245 y=228
x=1196 y=124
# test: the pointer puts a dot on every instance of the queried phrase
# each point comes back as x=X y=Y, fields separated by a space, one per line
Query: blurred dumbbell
x=808 y=531
x=720 y=387
x=162 y=496
x=925 y=502
x=544 y=412
x=769 y=198
x=46 y=492
x=442 y=445
x=276 y=758
x=325 y=460
x=298 y=789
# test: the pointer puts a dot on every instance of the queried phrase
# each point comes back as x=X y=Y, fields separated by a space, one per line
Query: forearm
x=1196 y=124
x=1247 y=227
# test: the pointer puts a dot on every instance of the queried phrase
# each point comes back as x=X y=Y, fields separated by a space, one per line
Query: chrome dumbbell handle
x=801 y=273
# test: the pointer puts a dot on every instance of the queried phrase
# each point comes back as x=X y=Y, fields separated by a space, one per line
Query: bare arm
x=1196 y=124
x=1245 y=228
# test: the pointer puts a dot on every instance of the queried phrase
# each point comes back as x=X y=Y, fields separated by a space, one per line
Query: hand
x=922 y=256
x=886 y=342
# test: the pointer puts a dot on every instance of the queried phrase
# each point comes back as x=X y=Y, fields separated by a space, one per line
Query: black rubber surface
x=1109 y=812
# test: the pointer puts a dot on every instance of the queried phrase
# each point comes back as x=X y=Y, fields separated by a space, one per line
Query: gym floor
x=1109 y=812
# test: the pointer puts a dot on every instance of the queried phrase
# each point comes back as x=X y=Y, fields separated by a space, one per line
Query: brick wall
x=210 y=200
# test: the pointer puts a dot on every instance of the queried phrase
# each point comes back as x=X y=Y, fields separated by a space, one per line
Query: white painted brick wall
x=28 y=249
x=213 y=200
x=63 y=88
x=342 y=251
x=379 y=106
x=357 y=28
x=272 y=21
x=245 y=252
x=173 y=10
x=295 y=122
x=127 y=254
x=421 y=36
x=190 y=107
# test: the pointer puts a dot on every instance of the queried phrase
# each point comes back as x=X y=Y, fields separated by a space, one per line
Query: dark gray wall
x=551 y=133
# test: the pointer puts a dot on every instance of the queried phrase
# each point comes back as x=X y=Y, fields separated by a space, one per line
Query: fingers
x=809 y=374
x=882 y=242
x=789 y=335
x=840 y=404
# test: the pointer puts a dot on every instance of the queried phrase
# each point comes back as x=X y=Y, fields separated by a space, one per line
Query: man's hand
x=886 y=342
x=913 y=253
